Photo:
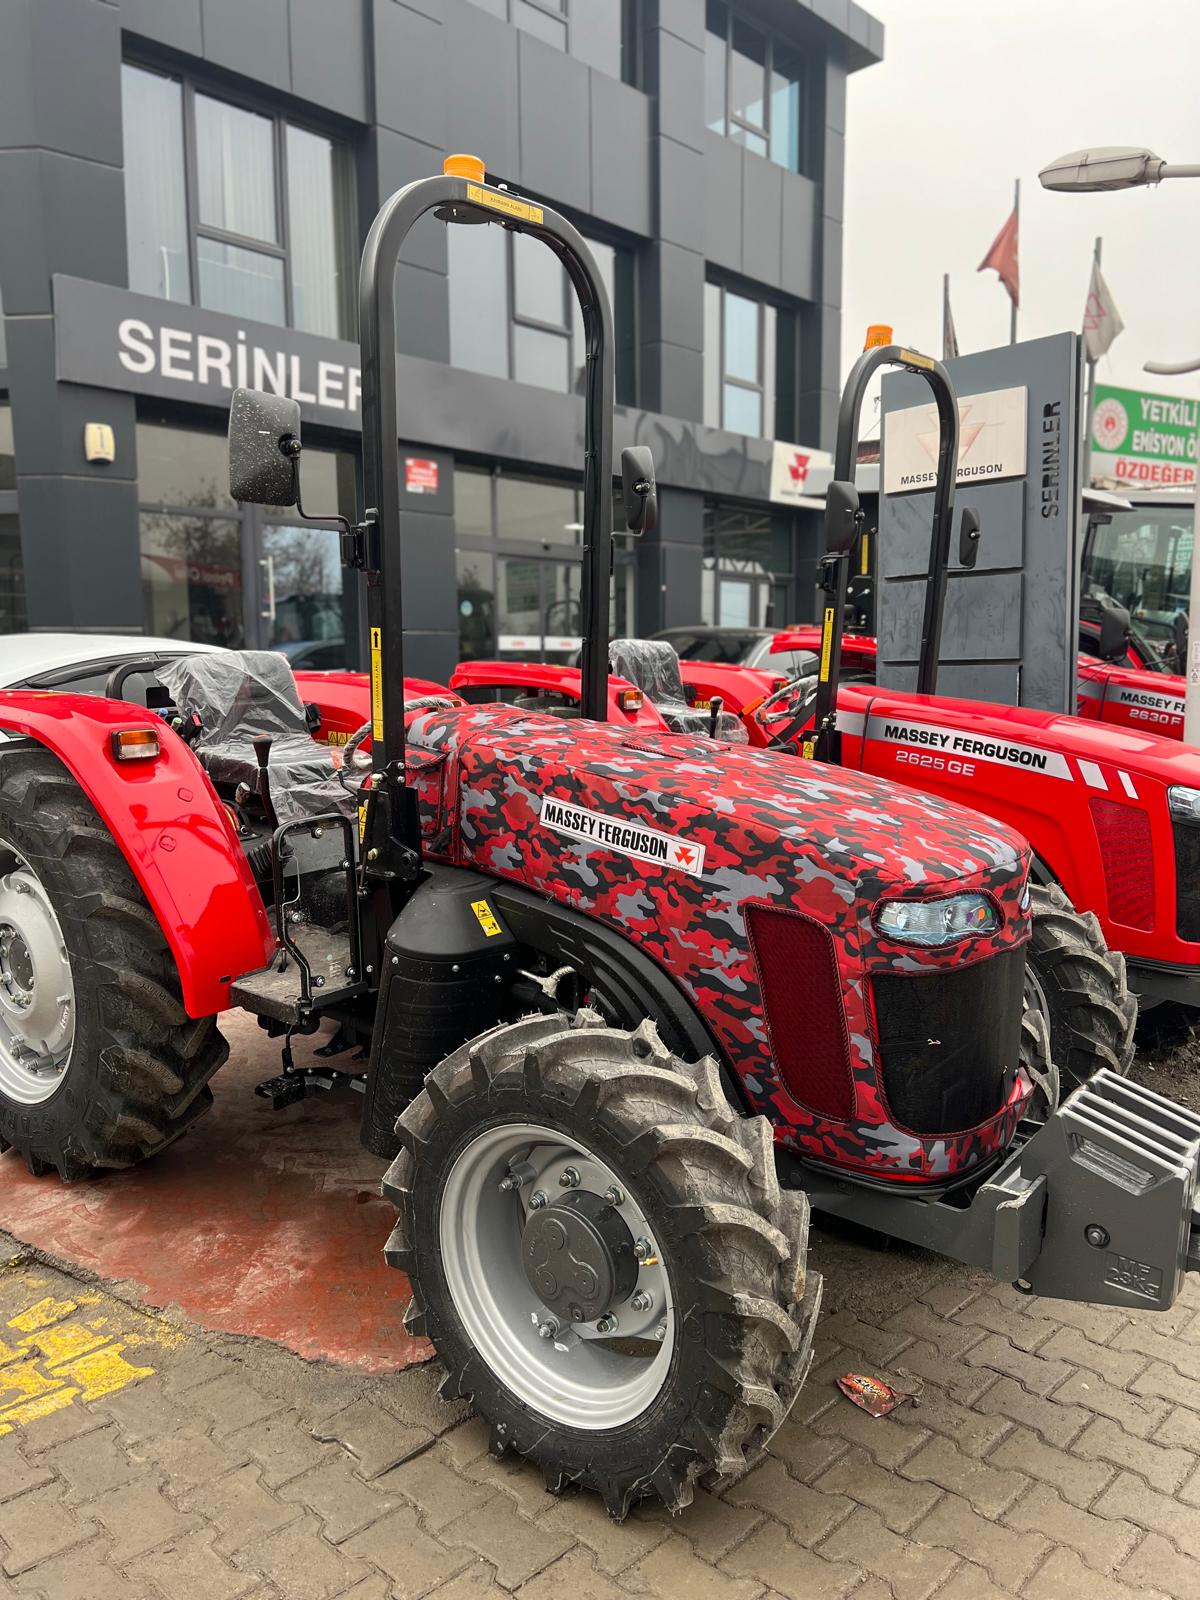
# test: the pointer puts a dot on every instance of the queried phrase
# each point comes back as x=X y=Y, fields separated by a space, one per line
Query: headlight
x=936 y=921
x=1184 y=804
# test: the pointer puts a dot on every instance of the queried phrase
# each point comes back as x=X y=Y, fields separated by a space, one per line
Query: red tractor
x=636 y=1002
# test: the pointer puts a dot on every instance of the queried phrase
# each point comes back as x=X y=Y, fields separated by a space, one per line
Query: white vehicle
x=83 y=663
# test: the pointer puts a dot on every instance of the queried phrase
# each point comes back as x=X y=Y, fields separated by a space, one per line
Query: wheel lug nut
x=641 y=1301
x=614 y=1195
x=547 y=1329
x=660 y=1333
x=537 y=1200
x=507 y=1185
x=607 y=1323
x=568 y=1178
x=643 y=1250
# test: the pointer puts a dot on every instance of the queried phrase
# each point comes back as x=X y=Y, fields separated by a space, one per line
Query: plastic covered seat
x=240 y=693
x=652 y=665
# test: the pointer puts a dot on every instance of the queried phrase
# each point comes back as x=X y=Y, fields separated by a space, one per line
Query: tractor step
x=280 y=994
x=290 y=1087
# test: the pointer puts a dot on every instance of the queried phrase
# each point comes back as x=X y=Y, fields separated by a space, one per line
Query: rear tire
x=729 y=1250
x=136 y=1073
x=1080 y=984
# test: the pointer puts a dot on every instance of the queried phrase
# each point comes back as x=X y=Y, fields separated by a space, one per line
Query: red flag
x=1002 y=258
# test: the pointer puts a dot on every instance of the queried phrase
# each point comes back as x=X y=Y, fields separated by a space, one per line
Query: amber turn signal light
x=134 y=744
x=629 y=700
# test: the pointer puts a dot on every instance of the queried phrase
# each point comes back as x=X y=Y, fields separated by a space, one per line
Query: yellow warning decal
x=486 y=918
x=508 y=203
x=362 y=822
x=865 y=567
x=912 y=359
x=826 y=643
x=377 y=683
x=808 y=749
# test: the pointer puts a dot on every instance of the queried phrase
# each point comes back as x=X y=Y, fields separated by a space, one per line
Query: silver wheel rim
x=37 y=996
x=579 y=1374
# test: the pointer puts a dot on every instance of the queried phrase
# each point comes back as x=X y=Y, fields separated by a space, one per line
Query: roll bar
x=843 y=526
x=466 y=199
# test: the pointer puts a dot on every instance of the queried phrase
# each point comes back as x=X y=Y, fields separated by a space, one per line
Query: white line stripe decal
x=1092 y=775
x=852 y=722
x=1127 y=785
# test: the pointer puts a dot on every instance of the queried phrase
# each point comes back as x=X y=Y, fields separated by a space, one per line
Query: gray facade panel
x=555 y=123
x=410 y=72
x=39 y=106
x=427 y=570
x=329 y=55
x=249 y=39
x=171 y=22
x=619 y=146
x=595 y=29
x=400 y=160
x=833 y=189
x=424 y=313
x=680 y=86
x=835 y=93
x=905 y=553
x=72 y=220
x=681 y=321
x=49 y=417
x=762 y=212
x=681 y=380
x=74 y=581
x=831 y=259
x=683 y=18
x=723 y=202
x=681 y=213
x=798 y=234
x=481 y=87
x=430 y=655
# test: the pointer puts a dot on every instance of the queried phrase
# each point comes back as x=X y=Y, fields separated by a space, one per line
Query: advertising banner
x=991 y=442
x=1143 y=440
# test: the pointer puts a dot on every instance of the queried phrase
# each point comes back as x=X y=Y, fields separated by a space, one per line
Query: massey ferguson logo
x=798 y=468
x=627 y=838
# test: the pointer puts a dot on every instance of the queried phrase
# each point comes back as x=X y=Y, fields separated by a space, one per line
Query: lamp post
x=1125 y=167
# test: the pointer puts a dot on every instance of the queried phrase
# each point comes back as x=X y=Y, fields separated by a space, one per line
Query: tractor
x=633 y=1005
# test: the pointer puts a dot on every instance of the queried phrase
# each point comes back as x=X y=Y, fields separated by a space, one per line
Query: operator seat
x=652 y=665
x=240 y=693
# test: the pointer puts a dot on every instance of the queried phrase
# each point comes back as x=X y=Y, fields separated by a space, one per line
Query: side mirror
x=968 y=538
x=1114 y=631
x=843 y=518
x=264 y=448
x=1179 y=640
x=639 y=489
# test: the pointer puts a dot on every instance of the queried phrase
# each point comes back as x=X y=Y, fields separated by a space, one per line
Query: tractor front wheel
x=600 y=1251
x=1079 y=985
x=100 y=1065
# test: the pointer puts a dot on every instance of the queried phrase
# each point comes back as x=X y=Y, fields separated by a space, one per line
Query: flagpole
x=945 y=313
x=1090 y=400
x=1012 y=328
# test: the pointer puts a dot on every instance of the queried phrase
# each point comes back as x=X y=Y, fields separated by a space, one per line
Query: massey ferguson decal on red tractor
x=637 y=1001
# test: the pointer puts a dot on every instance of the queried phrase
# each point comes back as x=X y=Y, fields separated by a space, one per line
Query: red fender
x=172 y=829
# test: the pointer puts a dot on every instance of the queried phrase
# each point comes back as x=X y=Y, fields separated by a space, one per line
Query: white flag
x=1101 y=320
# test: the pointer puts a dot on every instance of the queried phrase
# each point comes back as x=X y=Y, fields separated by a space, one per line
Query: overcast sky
x=974 y=93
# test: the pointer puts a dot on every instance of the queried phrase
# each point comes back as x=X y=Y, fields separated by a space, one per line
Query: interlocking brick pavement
x=1051 y=1453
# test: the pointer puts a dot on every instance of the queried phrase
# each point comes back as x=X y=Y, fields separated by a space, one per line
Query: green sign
x=1143 y=440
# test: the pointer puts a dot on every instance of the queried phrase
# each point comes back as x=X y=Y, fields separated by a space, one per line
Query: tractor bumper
x=1158 y=982
x=1101 y=1203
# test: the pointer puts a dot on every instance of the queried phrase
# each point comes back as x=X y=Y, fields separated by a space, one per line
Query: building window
x=746 y=579
x=514 y=314
x=604 y=33
x=234 y=209
x=753 y=88
x=749 y=364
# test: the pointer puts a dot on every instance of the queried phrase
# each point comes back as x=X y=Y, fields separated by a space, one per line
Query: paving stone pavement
x=1053 y=1454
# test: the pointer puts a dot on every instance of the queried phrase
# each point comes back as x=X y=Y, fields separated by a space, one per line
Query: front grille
x=950 y=1042
x=1187 y=880
x=802 y=1001
x=1123 y=833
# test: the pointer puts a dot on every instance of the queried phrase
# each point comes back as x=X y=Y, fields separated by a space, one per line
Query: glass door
x=537 y=608
x=304 y=610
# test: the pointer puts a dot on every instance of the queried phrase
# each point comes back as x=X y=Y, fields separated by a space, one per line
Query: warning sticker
x=486 y=918
x=508 y=203
x=420 y=475
x=627 y=838
x=377 y=684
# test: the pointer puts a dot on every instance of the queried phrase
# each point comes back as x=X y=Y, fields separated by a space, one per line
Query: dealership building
x=185 y=187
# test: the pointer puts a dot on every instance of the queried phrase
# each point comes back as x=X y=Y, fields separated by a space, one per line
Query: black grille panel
x=950 y=1042
x=1187 y=880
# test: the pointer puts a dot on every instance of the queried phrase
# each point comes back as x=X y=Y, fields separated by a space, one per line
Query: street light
x=1125 y=167
x=1112 y=167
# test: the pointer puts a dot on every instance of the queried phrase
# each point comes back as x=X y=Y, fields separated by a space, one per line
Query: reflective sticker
x=865 y=563
x=912 y=359
x=486 y=918
x=1127 y=785
x=826 y=643
x=627 y=838
x=508 y=203
x=1092 y=775
x=957 y=742
x=377 y=683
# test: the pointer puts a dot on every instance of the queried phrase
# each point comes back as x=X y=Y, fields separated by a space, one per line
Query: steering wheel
x=764 y=712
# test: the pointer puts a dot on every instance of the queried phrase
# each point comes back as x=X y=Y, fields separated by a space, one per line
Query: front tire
x=117 y=1070
x=1079 y=984
x=689 y=1387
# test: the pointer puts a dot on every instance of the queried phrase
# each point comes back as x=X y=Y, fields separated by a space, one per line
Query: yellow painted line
x=42 y=1315
x=64 y=1343
x=104 y=1372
